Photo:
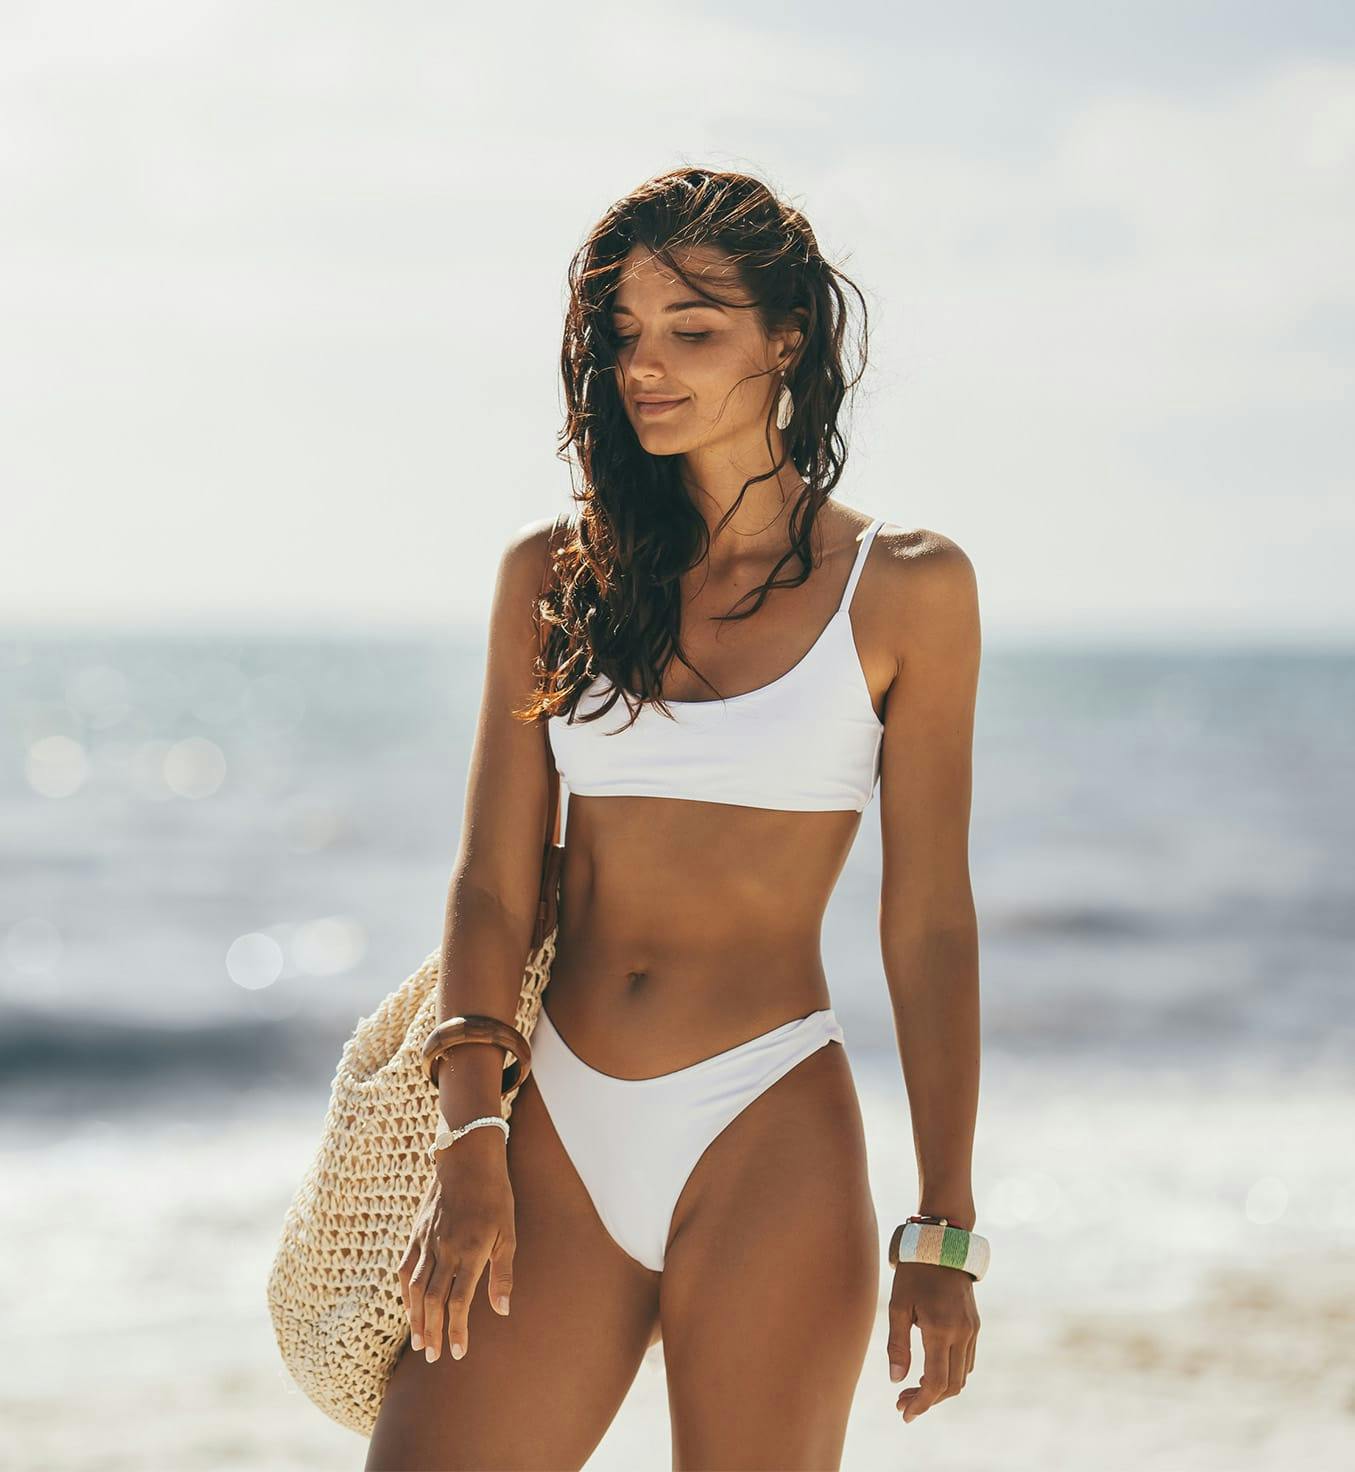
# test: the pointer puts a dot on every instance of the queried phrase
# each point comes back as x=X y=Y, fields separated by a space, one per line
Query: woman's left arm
x=929 y=939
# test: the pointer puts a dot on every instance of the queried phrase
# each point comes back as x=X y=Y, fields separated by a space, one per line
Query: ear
x=786 y=343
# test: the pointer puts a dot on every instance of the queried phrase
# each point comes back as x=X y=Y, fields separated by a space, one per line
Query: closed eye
x=619 y=342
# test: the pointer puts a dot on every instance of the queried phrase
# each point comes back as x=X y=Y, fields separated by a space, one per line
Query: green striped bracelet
x=941 y=1244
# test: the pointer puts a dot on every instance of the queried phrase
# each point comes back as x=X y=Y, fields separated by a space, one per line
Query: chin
x=661 y=434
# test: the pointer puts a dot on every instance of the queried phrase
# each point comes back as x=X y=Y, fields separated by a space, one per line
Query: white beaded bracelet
x=446 y=1135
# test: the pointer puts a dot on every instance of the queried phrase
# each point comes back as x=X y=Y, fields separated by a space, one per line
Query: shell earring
x=785 y=407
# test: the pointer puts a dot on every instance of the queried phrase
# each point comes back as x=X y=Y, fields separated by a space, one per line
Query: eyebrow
x=671 y=307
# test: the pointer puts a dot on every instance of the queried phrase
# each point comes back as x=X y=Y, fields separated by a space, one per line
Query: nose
x=646 y=360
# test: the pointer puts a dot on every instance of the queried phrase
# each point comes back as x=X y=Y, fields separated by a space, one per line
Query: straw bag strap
x=552 y=853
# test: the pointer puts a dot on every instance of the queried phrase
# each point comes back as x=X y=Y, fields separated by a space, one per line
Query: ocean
x=219 y=852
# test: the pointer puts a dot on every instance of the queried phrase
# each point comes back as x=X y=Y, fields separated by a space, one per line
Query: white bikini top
x=808 y=741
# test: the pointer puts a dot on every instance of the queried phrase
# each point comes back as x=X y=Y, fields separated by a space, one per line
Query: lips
x=653 y=408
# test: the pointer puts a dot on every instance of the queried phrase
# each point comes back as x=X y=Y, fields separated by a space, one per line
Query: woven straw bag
x=333 y=1290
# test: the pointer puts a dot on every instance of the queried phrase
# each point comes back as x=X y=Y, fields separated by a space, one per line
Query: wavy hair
x=612 y=606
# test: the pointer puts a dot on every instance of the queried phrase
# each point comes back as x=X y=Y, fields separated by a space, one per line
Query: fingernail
x=502 y=1301
x=428 y=1354
x=896 y=1372
x=457 y=1349
x=416 y=1340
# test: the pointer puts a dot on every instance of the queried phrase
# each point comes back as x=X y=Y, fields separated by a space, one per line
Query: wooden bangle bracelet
x=479 y=1029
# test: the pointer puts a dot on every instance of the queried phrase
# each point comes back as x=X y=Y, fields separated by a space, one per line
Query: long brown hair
x=613 y=604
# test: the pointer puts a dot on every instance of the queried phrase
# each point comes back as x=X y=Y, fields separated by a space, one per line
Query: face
x=671 y=346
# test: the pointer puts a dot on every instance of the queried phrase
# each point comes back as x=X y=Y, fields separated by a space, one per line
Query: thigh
x=539 y=1388
x=771 y=1279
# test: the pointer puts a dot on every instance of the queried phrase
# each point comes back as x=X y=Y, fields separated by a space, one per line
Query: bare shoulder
x=522 y=561
x=921 y=564
x=519 y=578
x=928 y=592
x=528 y=542
x=915 y=556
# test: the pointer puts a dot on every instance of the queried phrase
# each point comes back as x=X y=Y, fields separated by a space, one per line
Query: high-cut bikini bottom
x=634 y=1141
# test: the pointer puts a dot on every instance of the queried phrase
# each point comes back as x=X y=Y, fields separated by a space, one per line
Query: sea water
x=217 y=853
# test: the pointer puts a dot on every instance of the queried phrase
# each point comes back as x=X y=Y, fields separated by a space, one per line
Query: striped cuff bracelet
x=945 y=1246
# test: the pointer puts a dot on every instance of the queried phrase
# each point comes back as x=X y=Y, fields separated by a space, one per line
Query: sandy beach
x=137 y=1333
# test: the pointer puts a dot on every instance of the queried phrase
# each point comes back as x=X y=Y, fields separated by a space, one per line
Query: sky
x=281 y=291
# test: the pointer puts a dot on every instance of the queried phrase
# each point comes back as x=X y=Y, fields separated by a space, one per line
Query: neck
x=763 y=512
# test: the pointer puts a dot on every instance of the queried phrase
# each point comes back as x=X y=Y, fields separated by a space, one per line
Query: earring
x=785 y=407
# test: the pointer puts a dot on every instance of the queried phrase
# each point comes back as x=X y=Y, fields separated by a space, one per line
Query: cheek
x=727 y=379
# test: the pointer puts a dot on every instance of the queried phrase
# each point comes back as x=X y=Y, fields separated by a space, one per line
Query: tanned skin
x=686 y=928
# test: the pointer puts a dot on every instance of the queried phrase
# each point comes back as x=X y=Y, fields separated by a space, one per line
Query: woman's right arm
x=466 y=1220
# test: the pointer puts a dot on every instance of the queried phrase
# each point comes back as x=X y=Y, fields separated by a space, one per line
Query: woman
x=686 y=1157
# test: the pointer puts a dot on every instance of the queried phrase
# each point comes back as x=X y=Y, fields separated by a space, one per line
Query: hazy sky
x=281 y=289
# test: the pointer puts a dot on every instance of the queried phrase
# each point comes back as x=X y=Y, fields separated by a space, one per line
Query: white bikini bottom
x=634 y=1141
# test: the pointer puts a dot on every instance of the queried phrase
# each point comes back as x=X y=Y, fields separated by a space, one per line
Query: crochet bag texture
x=333 y=1290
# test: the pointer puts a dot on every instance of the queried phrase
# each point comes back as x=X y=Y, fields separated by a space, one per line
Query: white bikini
x=808 y=741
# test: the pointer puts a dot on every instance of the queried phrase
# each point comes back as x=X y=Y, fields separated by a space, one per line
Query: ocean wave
x=40 y=1045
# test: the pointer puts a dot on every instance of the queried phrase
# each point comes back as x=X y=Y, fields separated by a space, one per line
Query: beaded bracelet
x=446 y=1135
x=934 y=1240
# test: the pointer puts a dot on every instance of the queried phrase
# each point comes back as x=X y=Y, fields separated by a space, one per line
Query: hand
x=940 y=1301
x=466 y=1219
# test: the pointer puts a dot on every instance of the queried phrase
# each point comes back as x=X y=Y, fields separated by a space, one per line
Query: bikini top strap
x=860 y=562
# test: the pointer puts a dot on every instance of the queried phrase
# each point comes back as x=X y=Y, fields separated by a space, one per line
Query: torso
x=687 y=926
